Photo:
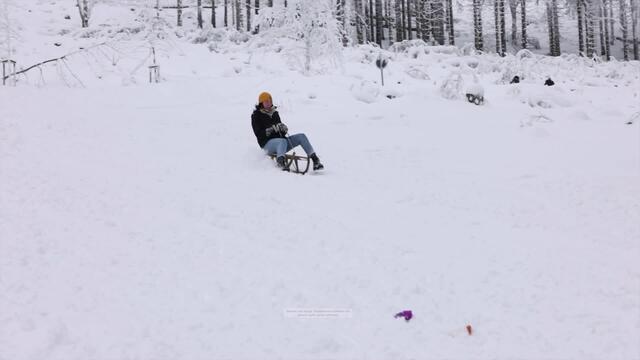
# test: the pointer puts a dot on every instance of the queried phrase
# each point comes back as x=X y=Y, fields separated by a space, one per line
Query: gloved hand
x=272 y=130
x=282 y=128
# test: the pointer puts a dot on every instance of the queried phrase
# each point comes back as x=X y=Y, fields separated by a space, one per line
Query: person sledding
x=272 y=137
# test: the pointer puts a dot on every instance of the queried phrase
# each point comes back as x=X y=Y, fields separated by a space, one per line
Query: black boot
x=317 y=165
x=282 y=163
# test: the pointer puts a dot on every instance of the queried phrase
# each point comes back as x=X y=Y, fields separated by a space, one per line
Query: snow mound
x=475 y=89
x=366 y=91
x=548 y=98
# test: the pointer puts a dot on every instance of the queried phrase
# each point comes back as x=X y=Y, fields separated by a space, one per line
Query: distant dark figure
x=549 y=82
x=515 y=80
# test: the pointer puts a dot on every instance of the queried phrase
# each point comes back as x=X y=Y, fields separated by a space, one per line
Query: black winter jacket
x=261 y=122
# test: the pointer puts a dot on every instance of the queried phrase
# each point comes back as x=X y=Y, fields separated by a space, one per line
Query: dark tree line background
x=599 y=23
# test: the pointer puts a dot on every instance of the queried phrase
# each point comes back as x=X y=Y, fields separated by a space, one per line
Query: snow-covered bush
x=524 y=54
x=468 y=49
x=472 y=62
x=238 y=37
x=445 y=50
x=366 y=54
x=405 y=45
x=451 y=87
x=417 y=73
x=209 y=35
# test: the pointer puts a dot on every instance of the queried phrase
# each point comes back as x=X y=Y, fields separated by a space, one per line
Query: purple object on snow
x=406 y=314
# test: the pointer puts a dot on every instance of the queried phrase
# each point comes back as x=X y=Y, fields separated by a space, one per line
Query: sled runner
x=295 y=163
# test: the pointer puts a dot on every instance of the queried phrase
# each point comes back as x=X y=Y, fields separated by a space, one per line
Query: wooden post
x=154 y=73
x=8 y=71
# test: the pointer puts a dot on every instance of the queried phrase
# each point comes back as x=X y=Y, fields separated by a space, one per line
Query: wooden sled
x=295 y=163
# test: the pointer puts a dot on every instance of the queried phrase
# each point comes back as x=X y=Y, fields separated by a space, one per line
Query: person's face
x=267 y=104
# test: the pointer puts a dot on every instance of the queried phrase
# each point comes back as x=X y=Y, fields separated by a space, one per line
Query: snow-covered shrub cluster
x=309 y=31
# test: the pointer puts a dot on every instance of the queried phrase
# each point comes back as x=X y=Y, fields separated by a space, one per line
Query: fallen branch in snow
x=53 y=60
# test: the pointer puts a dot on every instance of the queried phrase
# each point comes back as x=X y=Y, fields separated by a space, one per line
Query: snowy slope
x=142 y=221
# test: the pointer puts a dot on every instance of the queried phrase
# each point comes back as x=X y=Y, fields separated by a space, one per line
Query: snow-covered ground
x=142 y=221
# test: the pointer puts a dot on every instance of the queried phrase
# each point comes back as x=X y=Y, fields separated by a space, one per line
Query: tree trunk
x=213 y=13
x=257 y=7
x=552 y=41
x=437 y=21
x=238 y=15
x=179 y=5
x=379 y=36
x=270 y=3
x=409 y=27
x=513 y=7
x=83 y=9
x=389 y=21
x=556 y=25
x=603 y=47
x=403 y=17
x=624 y=26
x=372 y=31
x=496 y=15
x=339 y=11
x=607 y=41
x=419 y=18
x=85 y=5
x=248 y=14
x=199 y=6
x=430 y=21
x=449 y=14
x=226 y=13
x=580 y=11
x=612 y=33
x=503 y=30
x=590 y=27
x=398 y=20
x=477 y=25
x=634 y=24
x=359 y=22
x=523 y=20
x=341 y=16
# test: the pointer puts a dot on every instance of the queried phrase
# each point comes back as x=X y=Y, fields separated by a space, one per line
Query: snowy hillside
x=142 y=221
